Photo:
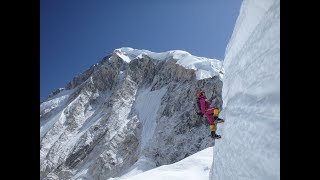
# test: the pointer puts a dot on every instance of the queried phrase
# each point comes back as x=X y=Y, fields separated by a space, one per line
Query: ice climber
x=210 y=112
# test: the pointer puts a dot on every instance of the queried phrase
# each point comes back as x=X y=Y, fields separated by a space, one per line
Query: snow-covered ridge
x=204 y=67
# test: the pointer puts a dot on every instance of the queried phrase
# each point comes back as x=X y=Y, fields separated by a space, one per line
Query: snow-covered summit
x=204 y=67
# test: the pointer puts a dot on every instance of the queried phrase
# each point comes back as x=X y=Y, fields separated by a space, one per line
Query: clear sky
x=75 y=34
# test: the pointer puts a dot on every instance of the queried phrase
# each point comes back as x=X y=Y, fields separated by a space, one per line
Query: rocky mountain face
x=120 y=114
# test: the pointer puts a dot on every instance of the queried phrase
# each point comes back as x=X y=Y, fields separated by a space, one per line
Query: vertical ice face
x=250 y=144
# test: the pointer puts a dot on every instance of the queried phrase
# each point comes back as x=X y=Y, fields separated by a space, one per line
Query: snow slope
x=196 y=166
x=147 y=105
x=250 y=145
x=54 y=103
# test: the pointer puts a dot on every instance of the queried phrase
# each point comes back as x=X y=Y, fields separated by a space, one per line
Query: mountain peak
x=204 y=67
x=125 y=113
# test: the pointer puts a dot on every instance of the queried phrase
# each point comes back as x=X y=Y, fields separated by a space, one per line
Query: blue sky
x=75 y=34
